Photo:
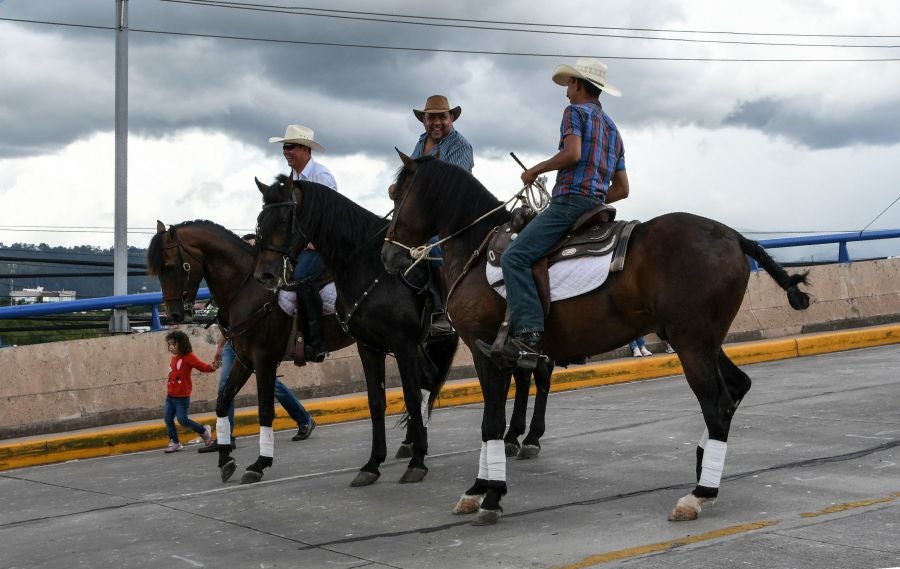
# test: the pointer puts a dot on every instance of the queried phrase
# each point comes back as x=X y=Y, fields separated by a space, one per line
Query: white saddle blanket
x=287 y=300
x=567 y=278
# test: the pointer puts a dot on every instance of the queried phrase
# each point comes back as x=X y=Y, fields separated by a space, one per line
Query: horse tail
x=441 y=354
x=798 y=299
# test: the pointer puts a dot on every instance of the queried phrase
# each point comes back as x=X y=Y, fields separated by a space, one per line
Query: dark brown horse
x=181 y=257
x=384 y=313
x=684 y=279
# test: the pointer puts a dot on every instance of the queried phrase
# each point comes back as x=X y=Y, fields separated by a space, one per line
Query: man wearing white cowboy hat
x=591 y=170
x=297 y=145
x=440 y=138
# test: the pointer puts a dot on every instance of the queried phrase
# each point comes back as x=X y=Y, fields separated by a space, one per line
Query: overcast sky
x=762 y=146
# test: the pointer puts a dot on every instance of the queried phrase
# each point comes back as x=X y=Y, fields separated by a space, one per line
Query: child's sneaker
x=636 y=353
x=645 y=351
x=207 y=435
x=669 y=349
x=174 y=447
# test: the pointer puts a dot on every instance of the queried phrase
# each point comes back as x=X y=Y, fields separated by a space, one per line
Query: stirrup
x=515 y=353
x=440 y=325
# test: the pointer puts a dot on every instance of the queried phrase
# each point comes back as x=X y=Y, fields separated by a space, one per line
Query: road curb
x=123 y=439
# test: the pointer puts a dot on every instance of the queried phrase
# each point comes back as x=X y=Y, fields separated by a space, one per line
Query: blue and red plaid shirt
x=602 y=151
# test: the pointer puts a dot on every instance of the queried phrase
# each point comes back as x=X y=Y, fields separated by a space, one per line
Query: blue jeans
x=639 y=343
x=310 y=267
x=283 y=394
x=526 y=313
x=178 y=407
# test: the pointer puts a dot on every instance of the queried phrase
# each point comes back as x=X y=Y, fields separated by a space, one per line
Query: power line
x=880 y=214
x=536 y=24
x=472 y=51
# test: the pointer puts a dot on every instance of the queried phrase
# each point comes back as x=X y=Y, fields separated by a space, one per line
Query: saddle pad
x=287 y=300
x=567 y=278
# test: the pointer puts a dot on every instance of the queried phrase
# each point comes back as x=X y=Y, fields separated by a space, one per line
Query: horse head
x=279 y=238
x=179 y=271
x=407 y=228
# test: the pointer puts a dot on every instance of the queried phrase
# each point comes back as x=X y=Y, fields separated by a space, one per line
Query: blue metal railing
x=153 y=299
x=840 y=238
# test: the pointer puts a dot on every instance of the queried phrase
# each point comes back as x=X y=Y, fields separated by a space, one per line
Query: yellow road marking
x=664 y=545
x=849 y=506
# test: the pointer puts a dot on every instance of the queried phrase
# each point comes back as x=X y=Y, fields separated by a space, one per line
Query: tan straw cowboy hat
x=297 y=134
x=438 y=104
x=589 y=69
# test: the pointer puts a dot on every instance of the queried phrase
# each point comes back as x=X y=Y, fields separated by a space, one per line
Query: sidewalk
x=147 y=435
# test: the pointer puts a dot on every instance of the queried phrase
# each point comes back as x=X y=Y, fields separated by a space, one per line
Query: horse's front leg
x=405 y=450
x=413 y=368
x=237 y=376
x=265 y=387
x=531 y=445
x=490 y=482
x=373 y=367
x=520 y=409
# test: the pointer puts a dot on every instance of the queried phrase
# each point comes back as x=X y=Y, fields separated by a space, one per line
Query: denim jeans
x=310 y=267
x=178 y=407
x=526 y=313
x=283 y=394
x=639 y=343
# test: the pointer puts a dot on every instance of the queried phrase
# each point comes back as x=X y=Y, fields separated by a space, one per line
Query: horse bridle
x=186 y=298
x=293 y=241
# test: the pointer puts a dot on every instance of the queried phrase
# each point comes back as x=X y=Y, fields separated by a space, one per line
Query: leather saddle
x=595 y=233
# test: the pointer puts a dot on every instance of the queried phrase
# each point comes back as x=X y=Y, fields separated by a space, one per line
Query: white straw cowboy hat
x=589 y=69
x=298 y=134
x=438 y=104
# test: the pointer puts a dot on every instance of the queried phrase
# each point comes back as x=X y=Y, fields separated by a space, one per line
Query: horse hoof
x=251 y=477
x=688 y=508
x=512 y=449
x=365 y=478
x=528 y=451
x=487 y=517
x=468 y=504
x=413 y=475
x=404 y=451
x=228 y=469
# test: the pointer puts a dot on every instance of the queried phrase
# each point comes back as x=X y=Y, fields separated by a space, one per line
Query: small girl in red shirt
x=178 y=397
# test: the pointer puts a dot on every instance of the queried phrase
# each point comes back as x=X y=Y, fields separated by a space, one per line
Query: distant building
x=38 y=294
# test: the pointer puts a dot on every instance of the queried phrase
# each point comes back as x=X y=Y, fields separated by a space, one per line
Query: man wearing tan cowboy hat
x=297 y=145
x=444 y=142
x=440 y=138
x=591 y=170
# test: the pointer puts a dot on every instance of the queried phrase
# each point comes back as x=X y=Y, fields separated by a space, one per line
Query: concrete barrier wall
x=63 y=386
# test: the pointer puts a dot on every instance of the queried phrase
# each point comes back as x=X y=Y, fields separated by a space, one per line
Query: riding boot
x=311 y=302
x=440 y=322
x=523 y=351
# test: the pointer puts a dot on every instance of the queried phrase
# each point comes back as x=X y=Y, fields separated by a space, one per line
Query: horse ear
x=160 y=226
x=408 y=162
x=262 y=187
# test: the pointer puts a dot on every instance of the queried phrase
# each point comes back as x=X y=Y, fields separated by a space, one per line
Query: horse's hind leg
x=237 y=377
x=531 y=446
x=520 y=409
x=717 y=404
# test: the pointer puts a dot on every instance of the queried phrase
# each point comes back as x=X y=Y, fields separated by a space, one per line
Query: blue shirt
x=453 y=148
x=602 y=151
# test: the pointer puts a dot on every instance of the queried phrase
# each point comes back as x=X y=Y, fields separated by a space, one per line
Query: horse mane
x=454 y=195
x=339 y=225
x=155 y=254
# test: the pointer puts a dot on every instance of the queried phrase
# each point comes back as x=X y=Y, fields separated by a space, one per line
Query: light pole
x=119 y=321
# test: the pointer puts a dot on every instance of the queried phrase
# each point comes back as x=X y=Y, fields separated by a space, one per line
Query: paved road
x=811 y=481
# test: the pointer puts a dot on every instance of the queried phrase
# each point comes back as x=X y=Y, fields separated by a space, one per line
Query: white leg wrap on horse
x=482 y=462
x=496 y=460
x=266 y=442
x=425 y=395
x=223 y=431
x=713 y=463
x=704 y=438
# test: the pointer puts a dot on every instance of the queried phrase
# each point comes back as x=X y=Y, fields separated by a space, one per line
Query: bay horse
x=685 y=278
x=248 y=313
